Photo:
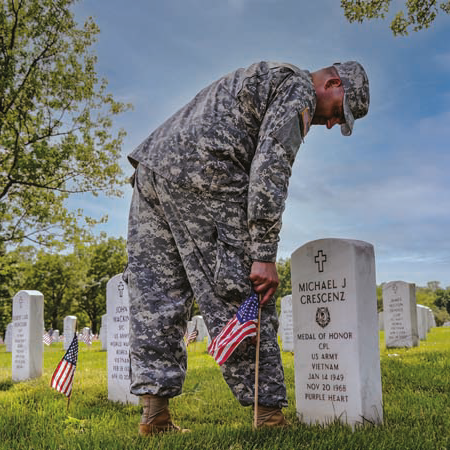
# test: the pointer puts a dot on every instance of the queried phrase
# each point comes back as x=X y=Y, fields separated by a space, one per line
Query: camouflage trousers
x=183 y=245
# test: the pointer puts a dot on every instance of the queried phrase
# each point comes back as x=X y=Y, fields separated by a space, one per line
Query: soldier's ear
x=333 y=82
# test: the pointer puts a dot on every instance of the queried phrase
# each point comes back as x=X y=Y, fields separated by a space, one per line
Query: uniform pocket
x=233 y=263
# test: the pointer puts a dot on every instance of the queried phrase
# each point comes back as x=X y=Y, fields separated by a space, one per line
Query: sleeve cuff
x=265 y=252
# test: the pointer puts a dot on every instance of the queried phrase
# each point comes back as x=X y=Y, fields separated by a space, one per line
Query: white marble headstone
x=8 y=337
x=55 y=335
x=286 y=325
x=422 y=322
x=103 y=335
x=431 y=322
x=199 y=323
x=118 y=326
x=87 y=335
x=28 y=328
x=70 y=323
x=337 y=357
x=400 y=314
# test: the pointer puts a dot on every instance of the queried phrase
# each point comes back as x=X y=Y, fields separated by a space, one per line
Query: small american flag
x=47 y=339
x=87 y=337
x=191 y=337
x=62 y=378
x=244 y=324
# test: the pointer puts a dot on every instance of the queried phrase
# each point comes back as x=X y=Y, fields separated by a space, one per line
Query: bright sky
x=387 y=184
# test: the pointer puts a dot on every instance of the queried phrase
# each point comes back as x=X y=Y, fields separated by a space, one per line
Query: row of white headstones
x=405 y=322
x=332 y=330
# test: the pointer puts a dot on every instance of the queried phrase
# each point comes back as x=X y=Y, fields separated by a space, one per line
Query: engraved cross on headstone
x=120 y=287
x=21 y=300
x=319 y=259
x=394 y=288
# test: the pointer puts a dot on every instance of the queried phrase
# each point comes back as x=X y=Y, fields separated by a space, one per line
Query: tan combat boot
x=270 y=416
x=156 y=417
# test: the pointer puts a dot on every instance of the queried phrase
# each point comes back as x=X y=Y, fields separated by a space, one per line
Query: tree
x=443 y=299
x=379 y=290
x=284 y=276
x=102 y=261
x=13 y=266
x=56 y=277
x=420 y=13
x=55 y=122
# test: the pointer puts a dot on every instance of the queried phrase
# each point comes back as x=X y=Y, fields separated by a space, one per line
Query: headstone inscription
x=8 y=337
x=286 y=324
x=422 y=322
x=400 y=318
x=70 y=323
x=118 y=329
x=28 y=328
x=336 y=353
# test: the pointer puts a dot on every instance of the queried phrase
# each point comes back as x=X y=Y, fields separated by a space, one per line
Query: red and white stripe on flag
x=62 y=379
x=243 y=325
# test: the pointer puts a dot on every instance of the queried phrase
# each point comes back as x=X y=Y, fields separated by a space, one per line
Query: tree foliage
x=55 y=121
x=419 y=13
x=72 y=283
x=55 y=276
x=443 y=299
x=284 y=276
x=102 y=261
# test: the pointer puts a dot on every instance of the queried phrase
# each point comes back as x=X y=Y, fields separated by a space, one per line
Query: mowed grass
x=416 y=396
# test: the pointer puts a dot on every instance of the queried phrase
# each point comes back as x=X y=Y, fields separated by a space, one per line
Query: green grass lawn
x=416 y=396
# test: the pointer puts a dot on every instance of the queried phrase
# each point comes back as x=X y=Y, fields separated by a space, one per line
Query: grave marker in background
x=431 y=320
x=86 y=336
x=286 y=324
x=118 y=329
x=28 y=328
x=337 y=359
x=400 y=314
x=103 y=335
x=69 y=330
x=8 y=337
x=422 y=322
x=199 y=323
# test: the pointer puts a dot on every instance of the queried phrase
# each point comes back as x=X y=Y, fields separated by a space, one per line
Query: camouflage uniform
x=209 y=193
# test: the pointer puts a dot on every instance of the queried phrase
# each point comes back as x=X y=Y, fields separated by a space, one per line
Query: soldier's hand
x=265 y=281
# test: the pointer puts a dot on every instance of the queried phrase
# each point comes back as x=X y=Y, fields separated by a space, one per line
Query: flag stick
x=258 y=335
x=68 y=398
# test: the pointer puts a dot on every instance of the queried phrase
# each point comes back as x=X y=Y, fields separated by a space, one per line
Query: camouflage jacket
x=237 y=140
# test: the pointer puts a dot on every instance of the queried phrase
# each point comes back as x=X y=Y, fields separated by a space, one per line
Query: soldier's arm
x=279 y=139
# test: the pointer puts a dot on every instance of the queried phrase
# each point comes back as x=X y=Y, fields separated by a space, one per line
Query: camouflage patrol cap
x=356 y=93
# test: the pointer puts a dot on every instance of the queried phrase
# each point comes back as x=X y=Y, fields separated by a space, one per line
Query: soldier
x=209 y=191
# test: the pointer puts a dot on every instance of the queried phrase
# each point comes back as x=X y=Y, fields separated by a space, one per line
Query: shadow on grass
x=6 y=385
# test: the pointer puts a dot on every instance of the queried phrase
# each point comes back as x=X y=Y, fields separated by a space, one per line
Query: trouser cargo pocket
x=233 y=263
